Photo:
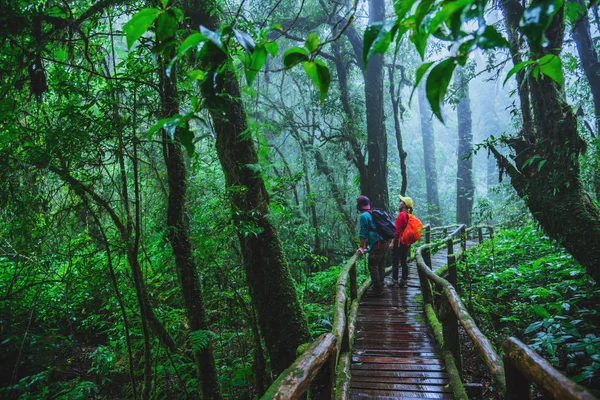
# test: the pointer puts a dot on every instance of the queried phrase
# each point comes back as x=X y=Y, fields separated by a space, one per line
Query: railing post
x=353 y=284
x=517 y=385
x=491 y=229
x=463 y=238
x=322 y=386
x=450 y=247
x=427 y=253
x=346 y=335
x=451 y=338
x=480 y=234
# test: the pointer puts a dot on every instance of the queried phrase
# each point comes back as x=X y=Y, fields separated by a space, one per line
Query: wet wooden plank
x=399 y=374
x=401 y=387
x=394 y=353
x=389 y=395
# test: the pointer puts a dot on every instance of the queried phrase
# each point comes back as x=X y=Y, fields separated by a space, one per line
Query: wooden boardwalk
x=395 y=355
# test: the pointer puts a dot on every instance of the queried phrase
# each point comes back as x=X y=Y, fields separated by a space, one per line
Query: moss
x=435 y=324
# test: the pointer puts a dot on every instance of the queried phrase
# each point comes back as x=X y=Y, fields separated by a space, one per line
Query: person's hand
x=391 y=245
x=361 y=250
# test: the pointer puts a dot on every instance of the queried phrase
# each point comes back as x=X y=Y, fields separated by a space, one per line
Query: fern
x=200 y=339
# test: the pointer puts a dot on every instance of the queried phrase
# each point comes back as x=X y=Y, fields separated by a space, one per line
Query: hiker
x=400 y=250
x=373 y=243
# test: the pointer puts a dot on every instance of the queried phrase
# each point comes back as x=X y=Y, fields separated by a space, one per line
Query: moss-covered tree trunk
x=465 y=190
x=280 y=316
x=376 y=132
x=589 y=62
x=433 y=199
x=545 y=172
x=179 y=235
x=395 y=97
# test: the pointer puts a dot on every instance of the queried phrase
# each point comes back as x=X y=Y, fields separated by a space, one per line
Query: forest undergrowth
x=525 y=285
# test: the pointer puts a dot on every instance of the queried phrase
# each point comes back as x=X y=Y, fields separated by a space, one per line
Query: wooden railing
x=323 y=370
x=331 y=354
x=521 y=366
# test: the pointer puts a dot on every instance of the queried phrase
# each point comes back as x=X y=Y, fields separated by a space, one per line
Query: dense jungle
x=179 y=181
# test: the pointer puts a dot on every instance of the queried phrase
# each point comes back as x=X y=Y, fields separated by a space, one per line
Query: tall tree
x=272 y=289
x=545 y=172
x=376 y=132
x=465 y=189
x=179 y=232
x=433 y=199
x=588 y=56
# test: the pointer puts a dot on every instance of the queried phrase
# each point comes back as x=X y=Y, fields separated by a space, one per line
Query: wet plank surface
x=395 y=355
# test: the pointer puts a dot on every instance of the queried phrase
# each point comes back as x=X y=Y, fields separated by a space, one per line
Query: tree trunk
x=272 y=289
x=465 y=190
x=433 y=200
x=546 y=169
x=179 y=235
x=324 y=169
x=350 y=123
x=589 y=58
x=376 y=133
x=395 y=97
x=591 y=67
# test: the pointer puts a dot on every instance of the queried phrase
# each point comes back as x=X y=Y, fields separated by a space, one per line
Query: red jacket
x=401 y=222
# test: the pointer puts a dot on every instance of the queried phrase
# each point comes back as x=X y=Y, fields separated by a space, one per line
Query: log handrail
x=523 y=365
x=295 y=380
x=318 y=365
x=324 y=367
x=491 y=359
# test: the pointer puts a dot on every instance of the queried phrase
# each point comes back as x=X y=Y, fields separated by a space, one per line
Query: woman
x=400 y=250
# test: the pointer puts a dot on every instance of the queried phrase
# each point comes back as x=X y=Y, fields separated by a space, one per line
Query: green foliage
x=535 y=291
x=201 y=340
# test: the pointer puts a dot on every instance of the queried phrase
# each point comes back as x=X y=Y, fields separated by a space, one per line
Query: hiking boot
x=394 y=283
x=373 y=293
x=402 y=283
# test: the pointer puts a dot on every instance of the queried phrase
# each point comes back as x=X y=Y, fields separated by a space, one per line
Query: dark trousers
x=400 y=256
x=377 y=264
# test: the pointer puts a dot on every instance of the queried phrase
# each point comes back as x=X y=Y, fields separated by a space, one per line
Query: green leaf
x=213 y=37
x=402 y=7
x=536 y=325
x=293 y=56
x=164 y=3
x=539 y=168
x=541 y=311
x=437 y=85
x=447 y=11
x=318 y=72
x=201 y=339
x=272 y=48
x=419 y=39
x=186 y=137
x=139 y=24
x=244 y=40
x=256 y=62
x=197 y=75
x=377 y=38
x=517 y=68
x=490 y=38
x=551 y=66
x=312 y=42
x=166 y=26
x=168 y=124
x=536 y=19
x=420 y=73
x=191 y=41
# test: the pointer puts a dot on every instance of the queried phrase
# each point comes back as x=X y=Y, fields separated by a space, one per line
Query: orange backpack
x=412 y=232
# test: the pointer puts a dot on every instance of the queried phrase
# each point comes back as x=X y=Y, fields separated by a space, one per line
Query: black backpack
x=384 y=223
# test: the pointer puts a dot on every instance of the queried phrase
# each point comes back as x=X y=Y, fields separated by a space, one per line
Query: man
x=372 y=242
